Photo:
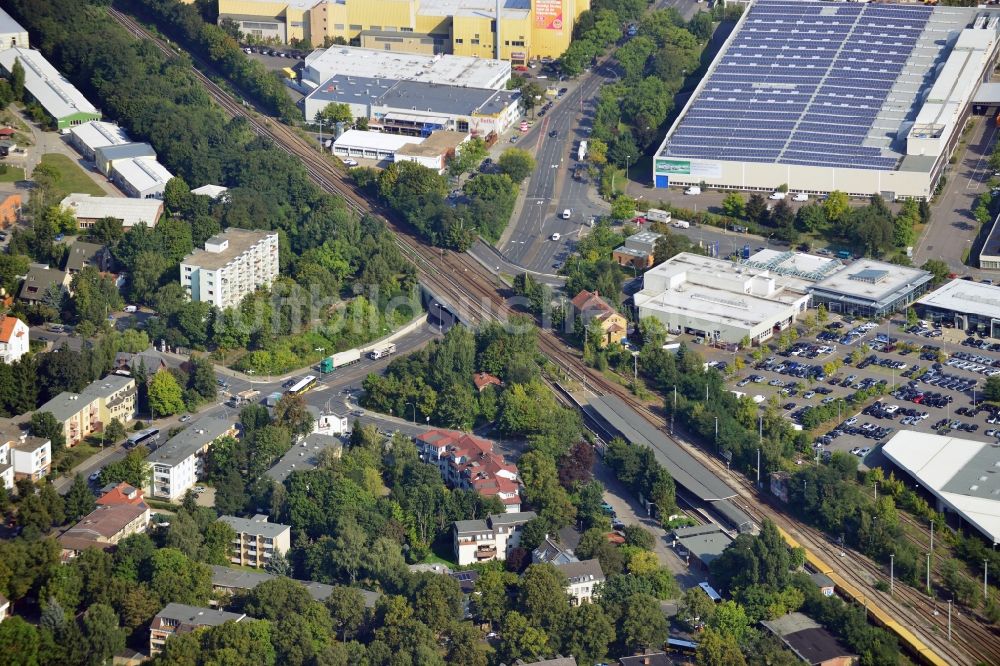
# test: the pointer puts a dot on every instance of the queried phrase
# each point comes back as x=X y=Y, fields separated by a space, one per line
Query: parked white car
x=349 y=162
x=694 y=189
x=777 y=196
x=556 y=237
x=801 y=196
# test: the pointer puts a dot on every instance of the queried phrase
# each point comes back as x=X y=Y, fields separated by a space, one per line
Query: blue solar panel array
x=802 y=83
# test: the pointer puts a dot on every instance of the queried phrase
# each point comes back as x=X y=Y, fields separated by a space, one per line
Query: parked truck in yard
x=657 y=215
x=339 y=360
x=382 y=352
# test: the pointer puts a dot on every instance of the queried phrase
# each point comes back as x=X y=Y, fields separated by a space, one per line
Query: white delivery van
x=694 y=189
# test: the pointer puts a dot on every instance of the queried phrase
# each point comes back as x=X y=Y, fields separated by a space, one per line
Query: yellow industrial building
x=528 y=29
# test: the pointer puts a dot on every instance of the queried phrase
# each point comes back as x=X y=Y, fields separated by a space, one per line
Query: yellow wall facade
x=545 y=32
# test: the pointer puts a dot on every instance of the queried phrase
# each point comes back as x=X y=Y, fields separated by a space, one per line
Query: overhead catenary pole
x=929 y=574
x=986 y=592
x=892 y=573
x=949 y=619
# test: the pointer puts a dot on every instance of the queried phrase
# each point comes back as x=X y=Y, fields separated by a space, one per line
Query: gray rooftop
x=471 y=526
x=198 y=616
x=518 y=518
x=806 y=638
x=37 y=281
x=124 y=151
x=258 y=525
x=870 y=281
x=414 y=95
x=705 y=545
x=581 y=572
x=240 y=240
x=66 y=404
x=185 y=443
x=238 y=579
x=83 y=254
x=991 y=247
x=8 y=24
x=303 y=456
x=685 y=470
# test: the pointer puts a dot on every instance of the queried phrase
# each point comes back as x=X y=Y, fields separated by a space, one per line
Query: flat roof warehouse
x=823 y=96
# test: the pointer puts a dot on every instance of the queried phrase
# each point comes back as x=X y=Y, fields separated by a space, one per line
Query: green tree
x=132 y=469
x=938 y=269
x=165 y=395
x=542 y=489
x=695 y=608
x=836 y=207
x=588 y=633
x=623 y=208
x=516 y=163
x=521 y=639
x=114 y=432
x=79 y=500
x=334 y=113
x=465 y=645
x=176 y=578
x=491 y=601
x=45 y=426
x=992 y=389
x=291 y=413
x=643 y=624
x=718 y=649
x=102 y=634
x=347 y=609
x=18 y=641
x=733 y=205
x=17 y=80
x=201 y=378
x=729 y=619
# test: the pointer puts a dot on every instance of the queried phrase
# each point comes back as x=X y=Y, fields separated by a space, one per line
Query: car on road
x=553 y=134
x=199 y=489
x=556 y=237
x=349 y=162
x=358 y=412
x=185 y=418
x=617 y=524
x=563 y=91
x=566 y=214
x=777 y=196
x=95 y=476
x=694 y=189
x=800 y=196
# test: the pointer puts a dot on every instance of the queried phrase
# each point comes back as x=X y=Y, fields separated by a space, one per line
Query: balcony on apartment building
x=486 y=553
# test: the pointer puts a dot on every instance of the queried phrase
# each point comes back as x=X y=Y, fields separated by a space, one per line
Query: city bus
x=681 y=646
x=141 y=437
x=302 y=385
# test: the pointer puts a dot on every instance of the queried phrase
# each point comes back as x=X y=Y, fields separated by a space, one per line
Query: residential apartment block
x=257 y=540
x=178 y=463
x=181 y=619
x=6 y=465
x=88 y=412
x=469 y=462
x=29 y=457
x=104 y=526
x=490 y=539
x=233 y=264
x=13 y=339
x=582 y=578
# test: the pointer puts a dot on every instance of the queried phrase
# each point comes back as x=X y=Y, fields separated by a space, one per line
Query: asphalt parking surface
x=943 y=390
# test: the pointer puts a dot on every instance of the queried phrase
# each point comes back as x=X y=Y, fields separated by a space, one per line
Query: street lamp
x=440 y=323
x=628 y=158
x=414 y=405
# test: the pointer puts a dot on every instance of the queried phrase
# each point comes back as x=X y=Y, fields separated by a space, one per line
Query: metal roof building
x=870 y=288
x=417 y=107
x=141 y=177
x=12 y=33
x=323 y=64
x=961 y=473
x=88 y=209
x=866 y=98
x=58 y=97
x=965 y=304
x=685 y=470
x=90 y=136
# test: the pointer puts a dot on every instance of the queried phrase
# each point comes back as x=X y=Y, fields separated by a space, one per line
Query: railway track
x=467 y=287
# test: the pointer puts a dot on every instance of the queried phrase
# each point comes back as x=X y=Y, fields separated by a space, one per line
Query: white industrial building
x=106 y=156
x=140 y=177
x=866 y=98
x=418 y=108
x=89 y=209
x=90 y=136
x=965 y=305
x=232 y=265
x=213 y=192
x=377 y=146
x=451 y=70
x=177 y=464
x=961 y=474
x=720 y=300
x=12 y=33
x=60 y=99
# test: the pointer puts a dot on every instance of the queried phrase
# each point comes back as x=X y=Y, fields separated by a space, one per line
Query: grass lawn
x=161 y=505
x=12 y=174
x=71 y=177
x=70 y=458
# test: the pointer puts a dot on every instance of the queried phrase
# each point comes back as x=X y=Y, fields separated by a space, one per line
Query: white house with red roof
x=13 y=339
x=469 y=462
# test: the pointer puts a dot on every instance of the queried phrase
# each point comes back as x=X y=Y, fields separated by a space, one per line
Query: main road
x=549 y=190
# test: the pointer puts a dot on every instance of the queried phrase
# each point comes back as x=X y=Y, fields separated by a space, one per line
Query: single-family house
x=590 y=307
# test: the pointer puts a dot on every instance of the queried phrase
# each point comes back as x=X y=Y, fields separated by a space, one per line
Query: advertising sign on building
x=548 y=14
x=697 y=168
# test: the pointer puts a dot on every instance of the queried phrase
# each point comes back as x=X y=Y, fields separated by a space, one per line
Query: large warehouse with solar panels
x=822 y=96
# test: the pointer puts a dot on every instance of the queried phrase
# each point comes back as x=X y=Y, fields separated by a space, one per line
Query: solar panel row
x=802 y=84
